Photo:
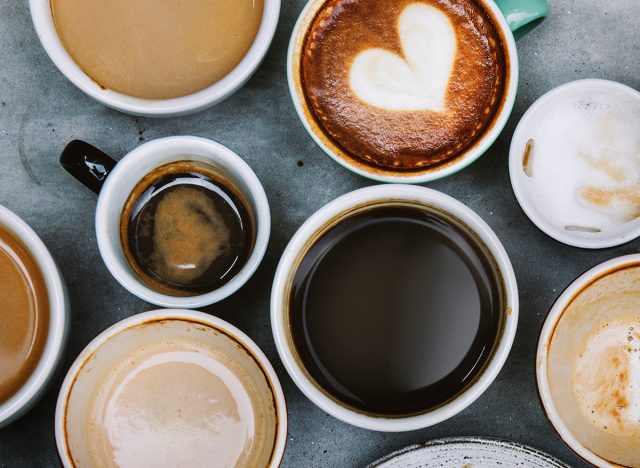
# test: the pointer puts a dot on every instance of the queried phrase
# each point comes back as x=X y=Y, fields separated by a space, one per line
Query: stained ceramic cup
x=328 y=216
x=34 y=387
x=257 y=396
x=587 y=364
x=514 y=19
x=42 y=17
x=114 y=182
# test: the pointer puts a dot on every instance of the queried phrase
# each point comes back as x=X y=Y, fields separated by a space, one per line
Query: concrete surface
x=41 y=111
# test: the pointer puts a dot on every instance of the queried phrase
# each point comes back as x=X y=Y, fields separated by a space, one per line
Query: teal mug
x=343 y=107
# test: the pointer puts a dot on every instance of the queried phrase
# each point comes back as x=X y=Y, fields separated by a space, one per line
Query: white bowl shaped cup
x=43 y=22
x=519 y=16
x=34 y=387
x=329 y=215
x=569 y=331
x=539 y=110
x=115 y=182
x=116 y=342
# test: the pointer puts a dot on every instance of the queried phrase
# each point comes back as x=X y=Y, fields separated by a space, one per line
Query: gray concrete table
x=40 y=111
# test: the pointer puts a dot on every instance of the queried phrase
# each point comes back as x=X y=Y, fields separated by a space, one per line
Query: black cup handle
x=87 y=164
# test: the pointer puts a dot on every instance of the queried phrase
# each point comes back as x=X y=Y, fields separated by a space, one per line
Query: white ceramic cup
x=112 y=345
x=386 y=175
x=81 y=159
x=35 y=385
x=327 y=216
x=45 y=28
x=519 y=180
x=569 y=332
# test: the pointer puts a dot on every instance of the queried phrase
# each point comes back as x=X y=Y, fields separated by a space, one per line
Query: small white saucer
x=570 y=235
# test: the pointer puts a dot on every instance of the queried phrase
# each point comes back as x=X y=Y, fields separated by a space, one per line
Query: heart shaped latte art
x=417 y=81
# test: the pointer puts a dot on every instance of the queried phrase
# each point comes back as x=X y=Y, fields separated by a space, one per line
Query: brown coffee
x=186 y=229
x=395 y=310
x=403 y=85
x=157 y=49
x=24 y=314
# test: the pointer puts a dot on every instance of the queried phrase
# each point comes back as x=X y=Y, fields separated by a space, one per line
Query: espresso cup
x=381 y=117
x=43 y=21
x=58 y=320
x=115 y=183
x=588 y=361
x=400 y=362
x=172 y=387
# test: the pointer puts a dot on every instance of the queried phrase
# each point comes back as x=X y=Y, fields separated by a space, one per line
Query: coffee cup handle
x=87 y=164
x=523 y=15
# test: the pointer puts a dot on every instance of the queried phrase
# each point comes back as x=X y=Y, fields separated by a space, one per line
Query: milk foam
x=172 y=404
x=583 y=172
x=607 y=378
x=419 y=79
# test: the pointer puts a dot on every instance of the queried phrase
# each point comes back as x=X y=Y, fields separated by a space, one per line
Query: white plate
x=468 y=452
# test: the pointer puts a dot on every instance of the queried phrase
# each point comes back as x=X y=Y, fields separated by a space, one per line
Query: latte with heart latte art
x=403 y=85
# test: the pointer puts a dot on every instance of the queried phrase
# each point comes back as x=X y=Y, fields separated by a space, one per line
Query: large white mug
x=21 y=401
x=115 y=182
x=43 y=22
x=440 y=205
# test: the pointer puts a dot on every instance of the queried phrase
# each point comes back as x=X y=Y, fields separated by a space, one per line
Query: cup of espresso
x=588 y=364
x=156 y=58
x=171 y=388
x=394 y=307
x=180 y=221
x=407 y=90
x=34 y=311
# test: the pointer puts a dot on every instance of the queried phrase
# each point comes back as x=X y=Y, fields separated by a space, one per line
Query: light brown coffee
x=24 y=314
x=402 y=85
x=157 y=49
x=594 y=366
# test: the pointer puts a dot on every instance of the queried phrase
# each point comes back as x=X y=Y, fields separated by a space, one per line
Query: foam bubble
x=583 y=169
x=419 y=79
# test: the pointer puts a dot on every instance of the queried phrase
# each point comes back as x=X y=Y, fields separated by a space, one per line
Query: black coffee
x=186 y=230
x=395 y=311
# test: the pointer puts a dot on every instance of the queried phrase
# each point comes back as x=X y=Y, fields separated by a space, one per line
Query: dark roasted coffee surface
x=395 y=311
x=186 y=230
x=404 y=140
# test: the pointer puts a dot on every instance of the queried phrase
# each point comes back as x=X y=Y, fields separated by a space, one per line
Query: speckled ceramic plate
x=468 y=452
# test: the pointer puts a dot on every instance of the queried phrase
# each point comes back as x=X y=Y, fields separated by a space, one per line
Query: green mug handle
x=523 y=15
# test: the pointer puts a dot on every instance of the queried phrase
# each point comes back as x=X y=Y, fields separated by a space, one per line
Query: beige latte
x=594 y=366
x=171 y=393
x=157 y=49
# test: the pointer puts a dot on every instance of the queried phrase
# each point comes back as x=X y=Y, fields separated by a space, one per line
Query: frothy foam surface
x=402 y=85
x=607 y=377
x=582 y=171
x=418 y=79
x=172 y=403
x=594 y=366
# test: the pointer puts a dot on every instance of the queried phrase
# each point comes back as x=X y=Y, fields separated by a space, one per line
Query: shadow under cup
x=413 y=354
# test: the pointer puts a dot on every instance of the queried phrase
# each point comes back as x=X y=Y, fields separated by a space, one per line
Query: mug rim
x=133 y=321
x=315 y=223
x=33 y=388
x=554 y=316
x=468 y=157
x=42 y=18
x=515 y=166
x=122 y=272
